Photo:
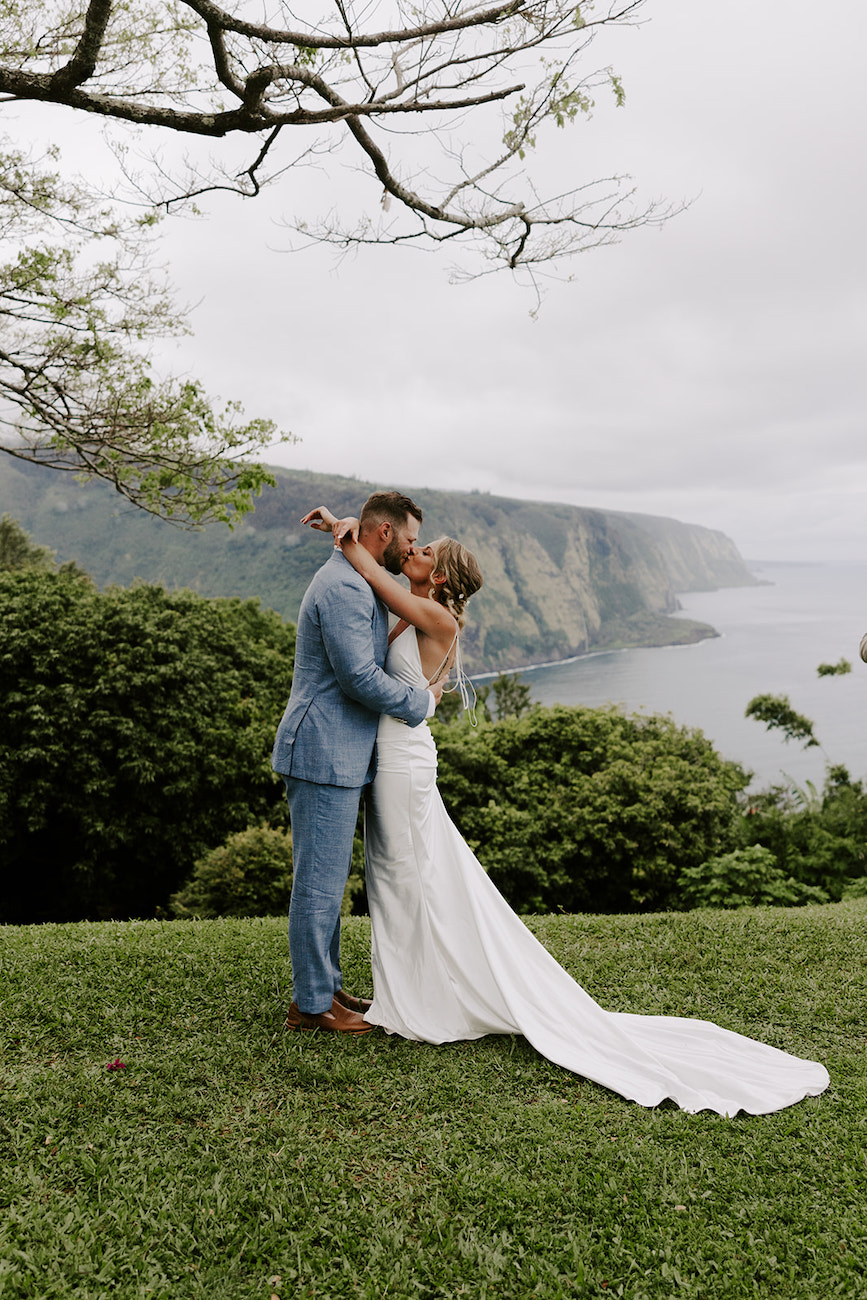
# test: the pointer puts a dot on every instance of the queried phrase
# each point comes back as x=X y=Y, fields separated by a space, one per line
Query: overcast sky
x=713 y=370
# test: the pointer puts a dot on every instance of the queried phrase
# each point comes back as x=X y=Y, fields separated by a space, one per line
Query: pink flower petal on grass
x=116 y=1064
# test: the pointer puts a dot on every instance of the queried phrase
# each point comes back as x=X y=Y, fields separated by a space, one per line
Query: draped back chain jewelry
x=464 y=685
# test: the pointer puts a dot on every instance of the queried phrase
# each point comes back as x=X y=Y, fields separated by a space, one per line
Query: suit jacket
x=339 y=688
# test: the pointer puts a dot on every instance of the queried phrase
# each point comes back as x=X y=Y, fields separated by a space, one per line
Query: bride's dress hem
x=648 y=1103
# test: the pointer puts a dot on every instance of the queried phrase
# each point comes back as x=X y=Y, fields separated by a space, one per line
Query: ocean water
x=772 y=638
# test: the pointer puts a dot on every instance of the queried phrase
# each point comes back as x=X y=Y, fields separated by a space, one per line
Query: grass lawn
x=233 y=1159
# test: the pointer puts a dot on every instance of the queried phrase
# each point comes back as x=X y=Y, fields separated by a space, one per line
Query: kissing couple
x=450 y=959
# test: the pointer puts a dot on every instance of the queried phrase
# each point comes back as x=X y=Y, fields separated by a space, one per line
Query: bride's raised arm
x=427 y=615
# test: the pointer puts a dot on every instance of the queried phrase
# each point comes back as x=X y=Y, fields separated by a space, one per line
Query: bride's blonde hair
x=462 y=574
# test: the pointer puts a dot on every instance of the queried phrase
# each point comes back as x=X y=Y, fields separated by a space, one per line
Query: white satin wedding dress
x=451 y=960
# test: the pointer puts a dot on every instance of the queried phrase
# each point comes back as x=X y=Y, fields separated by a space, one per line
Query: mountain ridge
x=560 y=580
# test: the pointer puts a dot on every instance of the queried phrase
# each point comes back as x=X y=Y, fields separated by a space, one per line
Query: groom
x=324 y=750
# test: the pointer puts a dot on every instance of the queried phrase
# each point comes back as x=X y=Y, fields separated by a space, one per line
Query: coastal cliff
x=695 y=558
x=559 y=580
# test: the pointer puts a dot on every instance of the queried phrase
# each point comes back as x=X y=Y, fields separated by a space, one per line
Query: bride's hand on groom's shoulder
x=345 y=530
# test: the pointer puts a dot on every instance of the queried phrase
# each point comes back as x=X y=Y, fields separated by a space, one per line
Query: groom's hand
x=435 y=694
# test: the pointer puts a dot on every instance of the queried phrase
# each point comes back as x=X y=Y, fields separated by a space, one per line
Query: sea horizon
x=770 y=639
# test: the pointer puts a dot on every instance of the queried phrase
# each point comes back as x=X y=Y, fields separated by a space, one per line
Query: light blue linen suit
x=324 y=750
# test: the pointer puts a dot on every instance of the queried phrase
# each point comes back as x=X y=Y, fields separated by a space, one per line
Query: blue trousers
x=323 y=821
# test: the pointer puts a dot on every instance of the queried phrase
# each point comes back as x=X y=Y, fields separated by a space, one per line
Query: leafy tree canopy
x=137 y=731
x=511 y=695
x=18 y=552
x=79 y=305
x=439 y=103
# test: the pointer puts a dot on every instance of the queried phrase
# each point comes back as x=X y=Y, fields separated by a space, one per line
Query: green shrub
x=136 y=734
x=744 y=878
x=249 y=875
x=588 y=810
x=839 y=669
x=819 y=839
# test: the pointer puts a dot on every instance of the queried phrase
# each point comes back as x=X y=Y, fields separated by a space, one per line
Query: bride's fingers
x=344 y=529
x=318 y=519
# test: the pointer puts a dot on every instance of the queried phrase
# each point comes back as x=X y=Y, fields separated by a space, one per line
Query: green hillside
x=559 y=580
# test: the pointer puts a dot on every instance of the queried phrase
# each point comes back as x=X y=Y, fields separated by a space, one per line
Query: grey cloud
x=713 y=370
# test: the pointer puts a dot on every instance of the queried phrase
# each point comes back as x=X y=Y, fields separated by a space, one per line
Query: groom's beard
x=392 y=557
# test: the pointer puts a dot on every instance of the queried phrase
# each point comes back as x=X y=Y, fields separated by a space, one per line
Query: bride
x=450 y=958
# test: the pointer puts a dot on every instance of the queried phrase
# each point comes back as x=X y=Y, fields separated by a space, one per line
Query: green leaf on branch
x=838 y=669
x=776 y=712
x=79 y=304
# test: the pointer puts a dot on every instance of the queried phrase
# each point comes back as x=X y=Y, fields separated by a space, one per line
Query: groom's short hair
x=388 y=507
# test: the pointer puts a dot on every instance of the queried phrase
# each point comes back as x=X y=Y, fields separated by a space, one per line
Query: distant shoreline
x=711 y=635
x=772 y=640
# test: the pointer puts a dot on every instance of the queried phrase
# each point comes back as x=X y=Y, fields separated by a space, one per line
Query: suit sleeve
x=347 y=635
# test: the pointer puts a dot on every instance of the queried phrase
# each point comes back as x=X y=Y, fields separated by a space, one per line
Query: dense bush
x=819 y=840
x=136 y=734
x=745 y=878
x=18 y=552
x=249 y=875
x=586 y=809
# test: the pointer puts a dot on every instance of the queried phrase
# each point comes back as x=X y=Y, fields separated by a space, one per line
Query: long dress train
x=452 y=961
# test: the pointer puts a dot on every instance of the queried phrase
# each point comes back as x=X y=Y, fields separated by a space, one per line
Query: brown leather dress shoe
x=353 y=1004
x=338 y=1020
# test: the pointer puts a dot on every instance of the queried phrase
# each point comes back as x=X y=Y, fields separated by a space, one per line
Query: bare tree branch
x=82 y=65
x=468 y=17
x=482 y=79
